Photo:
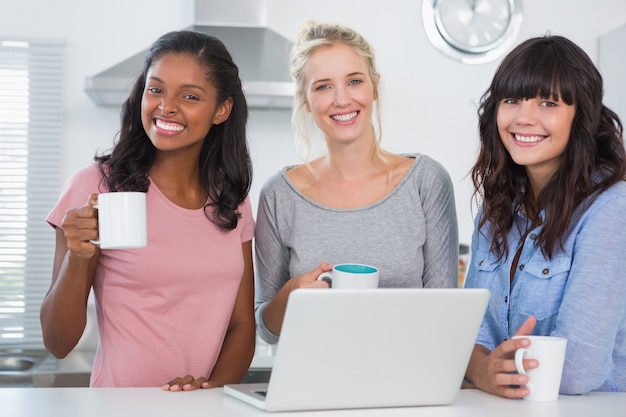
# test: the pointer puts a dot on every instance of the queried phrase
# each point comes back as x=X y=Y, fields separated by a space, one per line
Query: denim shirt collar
x=520 y=211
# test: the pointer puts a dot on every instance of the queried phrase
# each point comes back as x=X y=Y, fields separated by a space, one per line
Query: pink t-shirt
x=162 y=310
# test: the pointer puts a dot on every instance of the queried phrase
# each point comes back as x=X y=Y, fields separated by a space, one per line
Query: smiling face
x=340 y=93
x=179 y=104
x=535 y=132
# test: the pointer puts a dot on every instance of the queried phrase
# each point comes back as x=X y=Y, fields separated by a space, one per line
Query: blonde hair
x=312 y=37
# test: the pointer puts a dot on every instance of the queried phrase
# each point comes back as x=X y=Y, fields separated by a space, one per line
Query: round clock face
x=472 y=31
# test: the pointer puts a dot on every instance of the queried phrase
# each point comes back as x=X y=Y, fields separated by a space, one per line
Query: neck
x=178 y=178
x=352 y=161
x=539 y=176
x=176 y=168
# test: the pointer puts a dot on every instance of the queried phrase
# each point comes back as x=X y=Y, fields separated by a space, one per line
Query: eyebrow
x=194 y=86
x=323 y=80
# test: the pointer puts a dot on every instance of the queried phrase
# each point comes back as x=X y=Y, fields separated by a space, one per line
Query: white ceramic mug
x=122 y=220
x=544 y=381
x=351 y=276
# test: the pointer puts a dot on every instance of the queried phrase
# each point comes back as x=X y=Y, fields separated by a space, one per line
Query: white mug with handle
x=122 y=220
x=544 y=381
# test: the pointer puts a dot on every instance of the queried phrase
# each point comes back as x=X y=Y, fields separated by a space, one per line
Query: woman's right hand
x=80 y=226
x=274 y=311
x=309 y=279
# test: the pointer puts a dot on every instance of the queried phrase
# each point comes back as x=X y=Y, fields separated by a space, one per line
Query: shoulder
x=276 y=180
x=614 y=196
x=276 y=185
x=429 y=165
x=76 y=191
x=245 y=208
x=427 y=172
x=616 y=191
x=601 y=215
x=247 y=222
x=88 y=176
x=609 y=203
x=88 y=170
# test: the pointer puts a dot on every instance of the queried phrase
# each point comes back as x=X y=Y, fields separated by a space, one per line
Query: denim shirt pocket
x=541 y=286
x=486 y=269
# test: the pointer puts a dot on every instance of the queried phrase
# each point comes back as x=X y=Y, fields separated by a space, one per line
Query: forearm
x=274 y=311
x=236 y=354
x=63 y=312
x=476 y=365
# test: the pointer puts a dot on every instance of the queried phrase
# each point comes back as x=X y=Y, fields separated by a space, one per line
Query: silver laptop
x=387 y=347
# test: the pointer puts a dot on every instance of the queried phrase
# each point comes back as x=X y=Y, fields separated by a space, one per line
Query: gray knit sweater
x=411 y=234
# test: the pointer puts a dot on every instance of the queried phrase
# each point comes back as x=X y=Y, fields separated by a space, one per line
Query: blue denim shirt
x=580 y=294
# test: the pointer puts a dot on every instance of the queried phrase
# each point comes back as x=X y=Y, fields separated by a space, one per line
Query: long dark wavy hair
x=225 y=165
x=594 y=158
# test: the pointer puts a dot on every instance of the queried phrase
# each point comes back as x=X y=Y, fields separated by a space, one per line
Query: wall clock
x=472 y=31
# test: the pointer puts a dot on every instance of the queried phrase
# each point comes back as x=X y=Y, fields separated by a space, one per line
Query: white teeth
x=174 y=127
x=529 y=139
x=344 y=117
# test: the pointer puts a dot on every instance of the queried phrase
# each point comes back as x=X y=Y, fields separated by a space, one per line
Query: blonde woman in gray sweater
x=358 y=203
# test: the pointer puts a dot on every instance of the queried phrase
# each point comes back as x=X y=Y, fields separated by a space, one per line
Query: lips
x=168 y=126
x=528 y=138
x=346 y=117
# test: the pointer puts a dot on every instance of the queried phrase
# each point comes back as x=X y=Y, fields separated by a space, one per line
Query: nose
x=342 y=96
x=526 y=112
x=167 y=106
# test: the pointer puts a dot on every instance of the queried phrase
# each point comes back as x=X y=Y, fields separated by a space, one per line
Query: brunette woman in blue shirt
x=550 y=235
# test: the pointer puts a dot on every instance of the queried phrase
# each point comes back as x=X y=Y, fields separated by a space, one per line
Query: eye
x=548 y=104
x=154 y=90
x=192 y=97
x=322 y=87
x=510 y=101
x=354 y=82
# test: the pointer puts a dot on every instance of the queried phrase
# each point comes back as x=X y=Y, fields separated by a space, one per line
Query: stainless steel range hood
x=260 y=53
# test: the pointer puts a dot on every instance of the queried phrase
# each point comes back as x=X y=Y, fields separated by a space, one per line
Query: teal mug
x=351 y=276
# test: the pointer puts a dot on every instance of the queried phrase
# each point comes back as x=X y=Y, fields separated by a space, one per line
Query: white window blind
x=31 y=124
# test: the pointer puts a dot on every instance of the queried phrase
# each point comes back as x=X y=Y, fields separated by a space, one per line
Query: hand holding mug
x=544 y=381
x=80 y=226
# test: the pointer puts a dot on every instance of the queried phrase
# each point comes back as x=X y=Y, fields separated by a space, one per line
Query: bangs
x=546 y=75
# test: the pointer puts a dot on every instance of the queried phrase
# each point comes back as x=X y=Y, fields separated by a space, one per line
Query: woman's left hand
x=189 y=383
x=494 y=371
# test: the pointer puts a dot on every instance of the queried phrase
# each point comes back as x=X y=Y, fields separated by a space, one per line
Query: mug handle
x=519 y=364
x=519 y=360
x=95 y=242
x=326 y=277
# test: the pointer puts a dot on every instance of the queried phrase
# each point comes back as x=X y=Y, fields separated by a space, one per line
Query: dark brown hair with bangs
x=550 y=67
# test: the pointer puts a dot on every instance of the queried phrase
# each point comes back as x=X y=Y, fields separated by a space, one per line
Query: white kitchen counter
x=122 y=402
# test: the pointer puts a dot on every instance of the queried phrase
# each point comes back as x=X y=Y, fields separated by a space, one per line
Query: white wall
x=612 y=62
x=429 y=101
